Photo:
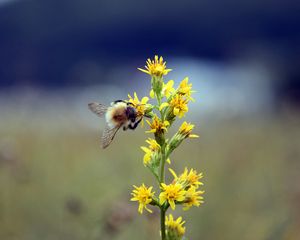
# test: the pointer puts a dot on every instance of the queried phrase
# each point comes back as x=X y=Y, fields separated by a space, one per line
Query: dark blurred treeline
x=42 y=42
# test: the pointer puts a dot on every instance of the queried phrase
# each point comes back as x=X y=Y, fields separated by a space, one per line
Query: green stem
x=162 y=180
x=162 y=223
x=162 y=143
x=162 y=164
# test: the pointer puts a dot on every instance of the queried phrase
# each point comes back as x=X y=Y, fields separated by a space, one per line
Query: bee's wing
x=97 y=108
x=108 y=135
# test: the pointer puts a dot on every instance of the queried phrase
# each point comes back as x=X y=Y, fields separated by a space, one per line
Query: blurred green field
x=57 y=183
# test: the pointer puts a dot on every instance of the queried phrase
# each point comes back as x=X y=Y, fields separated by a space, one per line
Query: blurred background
x=243 y=58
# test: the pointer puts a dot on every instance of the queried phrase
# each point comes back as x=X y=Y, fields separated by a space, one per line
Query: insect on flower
x=121 y=113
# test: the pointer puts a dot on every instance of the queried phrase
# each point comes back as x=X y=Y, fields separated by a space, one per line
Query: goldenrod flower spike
x=171 y=104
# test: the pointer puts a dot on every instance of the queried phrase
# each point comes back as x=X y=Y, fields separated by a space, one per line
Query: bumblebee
x=120 y=114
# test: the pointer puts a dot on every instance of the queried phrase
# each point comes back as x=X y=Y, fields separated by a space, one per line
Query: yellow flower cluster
x=188 y=179
x=172 y=103
x=183 y=190
x=177 y=99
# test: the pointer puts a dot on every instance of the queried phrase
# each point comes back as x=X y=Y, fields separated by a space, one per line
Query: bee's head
x=131 y=113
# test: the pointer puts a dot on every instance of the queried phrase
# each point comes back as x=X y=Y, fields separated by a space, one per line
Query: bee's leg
x=132 y=127
x=148 y=116
x=126 y=127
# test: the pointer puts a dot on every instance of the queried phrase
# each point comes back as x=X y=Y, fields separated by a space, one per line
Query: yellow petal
x=144 y=100
x=173 y=173
x=147 y=158
x=151 y=131
x=175 y=111
x=140 y=209
x=162 y=199
x=143 y=70
x=149 y=210
x=172 y=204
x=193 y=136
x=170 y=84
x=146 y=150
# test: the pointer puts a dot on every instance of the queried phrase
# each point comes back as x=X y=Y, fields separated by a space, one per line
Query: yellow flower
x=139 y=105
x=175 y=228
x=188 y=179
x=186 y=130
x=185 y=88
x=156 y=67
x=157 y=126
x=151 y=150
x=171 y=193
x=192 y=198
x=153 y=145
x=168 y=89
x=148 y=155
x=179 y=105
x=143 y=195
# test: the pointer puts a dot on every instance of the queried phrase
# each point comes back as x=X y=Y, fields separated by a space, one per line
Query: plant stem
x=162 y=180
x=162 y=165
x=162 y=223
x=162 y=143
